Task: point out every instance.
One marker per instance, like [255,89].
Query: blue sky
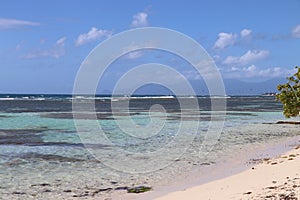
[43,43]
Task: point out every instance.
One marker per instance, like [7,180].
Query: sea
[95,147]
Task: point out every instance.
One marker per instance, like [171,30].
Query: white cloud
[251,68]
[132,52]
[134,55]
[296,31]
[140,20]
[254,72]
[248,57]
[224,40]
[14,23]
[246,33]
[229,39]
[91,36]
[61,41]
[56,51]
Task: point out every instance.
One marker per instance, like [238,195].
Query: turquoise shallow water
[40,143]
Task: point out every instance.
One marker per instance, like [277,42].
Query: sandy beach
[276,178]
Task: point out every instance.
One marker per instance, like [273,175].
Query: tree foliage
[289,95]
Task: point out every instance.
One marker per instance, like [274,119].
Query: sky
[255,44]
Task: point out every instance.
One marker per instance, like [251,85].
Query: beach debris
[103,190]
[288,122]
[248,192]
[121,188]
[139,189]
[258,160]
[81,195]
[205,163]
[272,187]
[41,184]
[270,196]
[21,193]
[287,191]
[100,190]
[291,196]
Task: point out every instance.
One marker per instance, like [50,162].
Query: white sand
[271,179]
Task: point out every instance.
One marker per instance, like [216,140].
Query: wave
[6,98]
[22,99]
[220,97]
[118,98]
[152,97]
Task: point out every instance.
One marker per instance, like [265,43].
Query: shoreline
[276,177]
[194,188]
